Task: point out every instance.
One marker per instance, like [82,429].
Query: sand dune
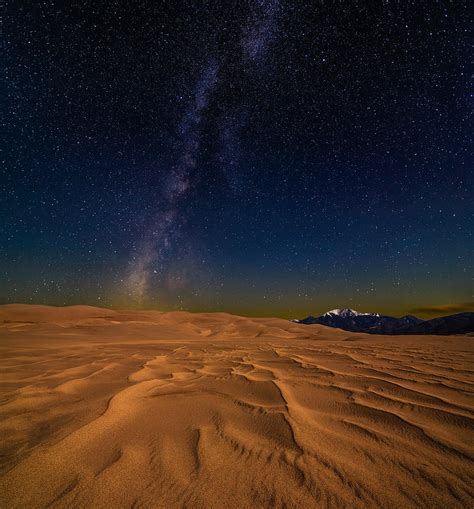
[103,408]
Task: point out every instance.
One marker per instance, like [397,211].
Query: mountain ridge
[375,323]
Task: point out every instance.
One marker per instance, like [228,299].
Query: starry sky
[261,157]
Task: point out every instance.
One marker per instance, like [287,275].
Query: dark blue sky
[259,157]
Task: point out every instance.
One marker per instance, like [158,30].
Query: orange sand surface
[103,408]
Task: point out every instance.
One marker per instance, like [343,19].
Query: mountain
[460,323]
[374,323]
[351,320]
[347,313]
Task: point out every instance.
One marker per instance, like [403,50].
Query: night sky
[259,157]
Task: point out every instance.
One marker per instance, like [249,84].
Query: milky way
[152,253]
[258,34]
[148,262]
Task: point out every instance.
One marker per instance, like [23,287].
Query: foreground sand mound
[104,408]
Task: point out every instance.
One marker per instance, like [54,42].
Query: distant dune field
[105,409]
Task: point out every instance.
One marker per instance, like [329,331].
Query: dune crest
[104,408]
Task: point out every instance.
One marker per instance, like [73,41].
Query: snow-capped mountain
[346,313]
[351,320]
[374,323]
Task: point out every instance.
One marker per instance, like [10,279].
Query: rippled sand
[104,408]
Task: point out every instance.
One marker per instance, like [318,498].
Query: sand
[103,408]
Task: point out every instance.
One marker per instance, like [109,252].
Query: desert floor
[104,408]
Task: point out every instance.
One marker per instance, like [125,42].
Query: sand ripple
[179,410]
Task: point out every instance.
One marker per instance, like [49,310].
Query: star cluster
[257,157]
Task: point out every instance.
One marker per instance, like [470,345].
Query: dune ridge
[113,408]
